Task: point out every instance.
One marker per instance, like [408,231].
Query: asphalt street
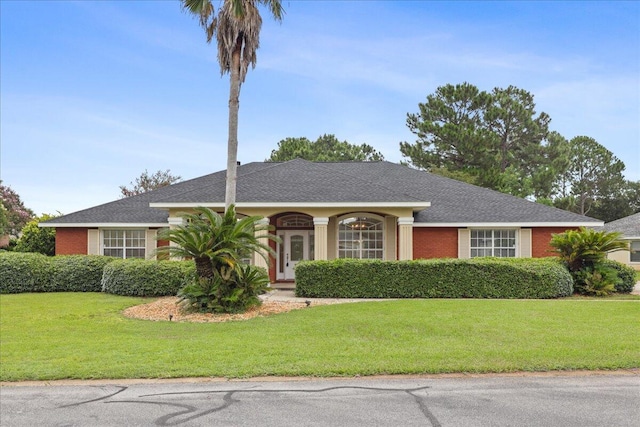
[533,400]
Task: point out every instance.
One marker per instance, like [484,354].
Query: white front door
[295,247]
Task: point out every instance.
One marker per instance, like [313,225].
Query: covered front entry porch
[351,234]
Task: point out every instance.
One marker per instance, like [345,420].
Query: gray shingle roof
[629,226]
[299,181]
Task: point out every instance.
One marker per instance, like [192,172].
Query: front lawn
[83,335]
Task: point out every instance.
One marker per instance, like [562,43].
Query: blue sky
[92,93]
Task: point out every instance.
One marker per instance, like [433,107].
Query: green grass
[83,335]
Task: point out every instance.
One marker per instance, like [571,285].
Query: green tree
[618,204]
[17,214]
[146,182]
[4,221]
[450,131]
[594,174]
[518,136]
[495,137]
[236,27]
[547,177]
[327,148]
[292,148]
[38,239]
[218,244]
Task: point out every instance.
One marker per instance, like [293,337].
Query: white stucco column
[258,259]
[173,223]
[405,238]
[320,237]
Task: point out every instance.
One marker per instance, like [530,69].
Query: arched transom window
[361,237]
[295,221]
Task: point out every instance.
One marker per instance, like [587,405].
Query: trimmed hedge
[626,274]
[436,278]
[78,273]
[137,277]
[24,272]
[33,272]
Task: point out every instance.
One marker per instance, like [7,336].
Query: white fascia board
[507,224]
[416,206]
[105,225]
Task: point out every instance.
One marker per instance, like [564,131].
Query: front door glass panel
[297,248]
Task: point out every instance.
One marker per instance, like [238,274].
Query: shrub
[78,273]
[137,277]
[234,295]
[217,244]
[586,246]
[24,272]
[626,274]
[598,280]
[437,278]
[37,239]
[583,252]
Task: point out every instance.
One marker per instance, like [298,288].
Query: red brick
[540,238]
[435,242]
[71,241]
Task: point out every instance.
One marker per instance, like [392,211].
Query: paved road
[601,400]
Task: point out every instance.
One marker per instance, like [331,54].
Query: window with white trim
[124,243]
[361,237]
[634,248]
[496,243]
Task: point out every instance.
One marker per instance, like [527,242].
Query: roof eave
[104,225]
[415,206]
[510,224]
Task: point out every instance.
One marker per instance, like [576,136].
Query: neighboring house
[324,211]
[630,228]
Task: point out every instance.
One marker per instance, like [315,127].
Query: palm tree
[237,29]
[217,243]
[585,247]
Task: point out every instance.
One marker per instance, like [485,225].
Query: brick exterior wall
[540,238]
[443,242]
[71,241]
[435,242]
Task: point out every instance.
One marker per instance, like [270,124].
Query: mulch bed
[167,309]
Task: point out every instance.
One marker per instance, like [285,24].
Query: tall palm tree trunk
[232,142]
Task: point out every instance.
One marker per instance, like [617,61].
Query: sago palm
[236,27]
[215,242]
[192,240]
[585,247]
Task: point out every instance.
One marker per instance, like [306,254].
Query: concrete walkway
[288,295]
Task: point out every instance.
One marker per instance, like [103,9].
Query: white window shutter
[151,244]
[93,242]
[464,243]
[525,243]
